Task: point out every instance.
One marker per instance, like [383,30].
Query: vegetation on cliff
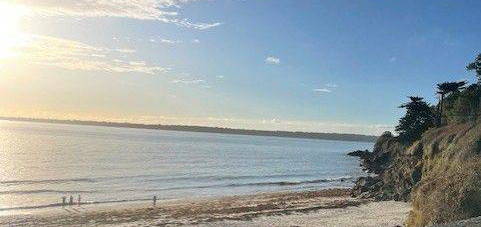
[435,161]
[450,186]
[419,118]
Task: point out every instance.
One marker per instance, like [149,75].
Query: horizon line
[202,128]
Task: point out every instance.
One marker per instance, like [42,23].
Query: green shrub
[463,106]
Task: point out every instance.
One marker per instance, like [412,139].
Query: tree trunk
[441,110]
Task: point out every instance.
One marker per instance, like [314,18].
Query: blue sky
[329,66]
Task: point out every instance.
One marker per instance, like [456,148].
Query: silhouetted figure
[64,200]
[79,200]
[71,200]
[155,200]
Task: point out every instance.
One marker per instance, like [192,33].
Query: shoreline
[309,207]
[46,208]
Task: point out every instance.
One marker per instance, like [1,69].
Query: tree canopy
[475,66]
[451,87]
[457,103]
[419,117]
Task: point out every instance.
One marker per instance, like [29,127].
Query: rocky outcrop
[440,174]
[396,171]
[360,153]
[366,187]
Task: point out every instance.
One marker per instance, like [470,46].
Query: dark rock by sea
[360,153]
[385,162]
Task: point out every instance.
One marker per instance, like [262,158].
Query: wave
[47,181]
[289,183]
[71,180]
[226,177]
[264,183]
[157,178]
[43,191]
[261,183]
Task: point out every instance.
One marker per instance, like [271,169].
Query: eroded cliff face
[450,187]
[440,174]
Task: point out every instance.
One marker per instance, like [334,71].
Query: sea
[40,163]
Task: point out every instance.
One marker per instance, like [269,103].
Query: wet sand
[331,207]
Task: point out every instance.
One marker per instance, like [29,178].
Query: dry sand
[332,207]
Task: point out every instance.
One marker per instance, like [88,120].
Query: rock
[360,153]
[365,184]
[397,171]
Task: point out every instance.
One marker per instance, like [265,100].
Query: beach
[330,207]
[200,179]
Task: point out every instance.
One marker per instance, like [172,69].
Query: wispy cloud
[322,90]
[182,81]
[393,59]
[154,40]
[192,82]
[74,55]
[165,41]
[327,88]
[127,51]
[272,60]
[168,41]
[166,11]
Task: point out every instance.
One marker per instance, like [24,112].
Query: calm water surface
[40,163]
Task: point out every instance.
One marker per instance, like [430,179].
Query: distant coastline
[186,128]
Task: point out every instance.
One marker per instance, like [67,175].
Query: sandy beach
[331,207]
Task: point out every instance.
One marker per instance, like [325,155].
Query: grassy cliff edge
[439,173]
[450,186]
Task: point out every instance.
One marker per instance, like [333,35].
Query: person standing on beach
[64,201]
[78,199]
[71,200]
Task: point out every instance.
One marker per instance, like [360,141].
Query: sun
[10,33]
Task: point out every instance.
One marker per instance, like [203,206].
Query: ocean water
[40,163]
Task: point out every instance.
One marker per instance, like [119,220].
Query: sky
[321,66]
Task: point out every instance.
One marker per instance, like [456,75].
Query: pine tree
[419,118]
[475,66]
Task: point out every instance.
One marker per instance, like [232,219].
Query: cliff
[440,173]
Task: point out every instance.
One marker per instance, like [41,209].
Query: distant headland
[186,128]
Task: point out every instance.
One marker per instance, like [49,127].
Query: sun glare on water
[10,33]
